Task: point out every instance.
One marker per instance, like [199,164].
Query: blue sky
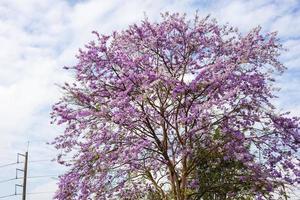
[39,37]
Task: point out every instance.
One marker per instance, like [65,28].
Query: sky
[39,37]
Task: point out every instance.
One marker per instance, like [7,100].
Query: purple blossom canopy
[147,98]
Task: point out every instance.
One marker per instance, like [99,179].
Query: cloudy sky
[39,37]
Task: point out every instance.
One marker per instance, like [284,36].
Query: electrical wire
[9,164]
[29,193]
[44,176]
[30,177]
[2,197]
[7,180]
[33,161]
[46,192]
[15,163]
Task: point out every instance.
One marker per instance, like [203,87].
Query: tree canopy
[177,109]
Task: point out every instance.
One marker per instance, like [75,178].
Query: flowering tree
[176,110]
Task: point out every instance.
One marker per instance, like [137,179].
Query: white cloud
[289,25]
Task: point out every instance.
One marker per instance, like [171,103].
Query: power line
[44,176]
[9,164]
[30,193]
[25,177]
[15,163]
[46,192]
[30,177]
[2,197]
[7,180]
[33,161]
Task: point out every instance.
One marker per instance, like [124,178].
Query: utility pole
[24,186]
[25,176]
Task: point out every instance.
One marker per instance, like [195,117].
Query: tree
[176,110]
